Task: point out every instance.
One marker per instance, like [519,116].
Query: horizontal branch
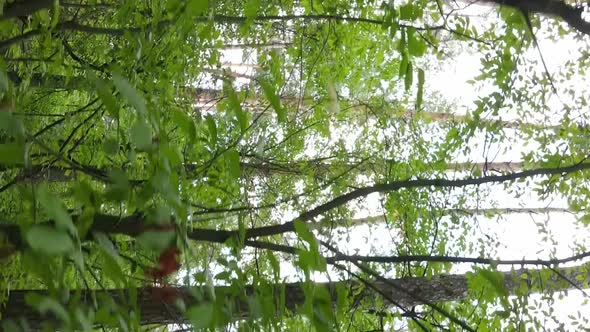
[457,211]
[135,224]
[410,184]
[53,173]
[225,19]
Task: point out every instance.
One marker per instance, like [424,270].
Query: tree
[213,164]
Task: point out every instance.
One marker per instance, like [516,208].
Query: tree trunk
[24,8]
[258,168]
[406,292]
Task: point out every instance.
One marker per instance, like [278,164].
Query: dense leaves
[292,165]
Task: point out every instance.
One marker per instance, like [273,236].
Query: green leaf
[55,209]
[201,316]
[420,93]
[156,240]
[409,76]
[110,146]
[103,90]
[323,315]
[13,126]
[112,269]
[482,278]
[186,124]
[130,93]
[416,44]
[212,130]
[232,158]
[311,260]
[119,185]
[197,7]
[10,326]
[251,8]
[46,304]
[54,14]
[303,232]
[270,94]
[410,12]
[49,240]
[403,66]
[141,135]
[12,154]
[235,105]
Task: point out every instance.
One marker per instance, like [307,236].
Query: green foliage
[45,239]
[228,146]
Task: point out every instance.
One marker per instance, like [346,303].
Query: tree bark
[571,15]
[257,168]
[406,292]
[21,8]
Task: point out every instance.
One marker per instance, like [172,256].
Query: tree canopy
[255,165]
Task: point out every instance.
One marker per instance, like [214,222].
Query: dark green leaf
[12,154]
[232,157]
[156,240]
[403,66]
[420,93]
[410,11]
[409,76]
[235,105]
[212,130]
[141,135]
[186,124]
[270,94]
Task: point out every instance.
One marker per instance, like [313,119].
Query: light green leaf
[251,8]
[303,232]
[232,158]
[197,7]
[130,93]
[49,240]
[13,126]
[416,44]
